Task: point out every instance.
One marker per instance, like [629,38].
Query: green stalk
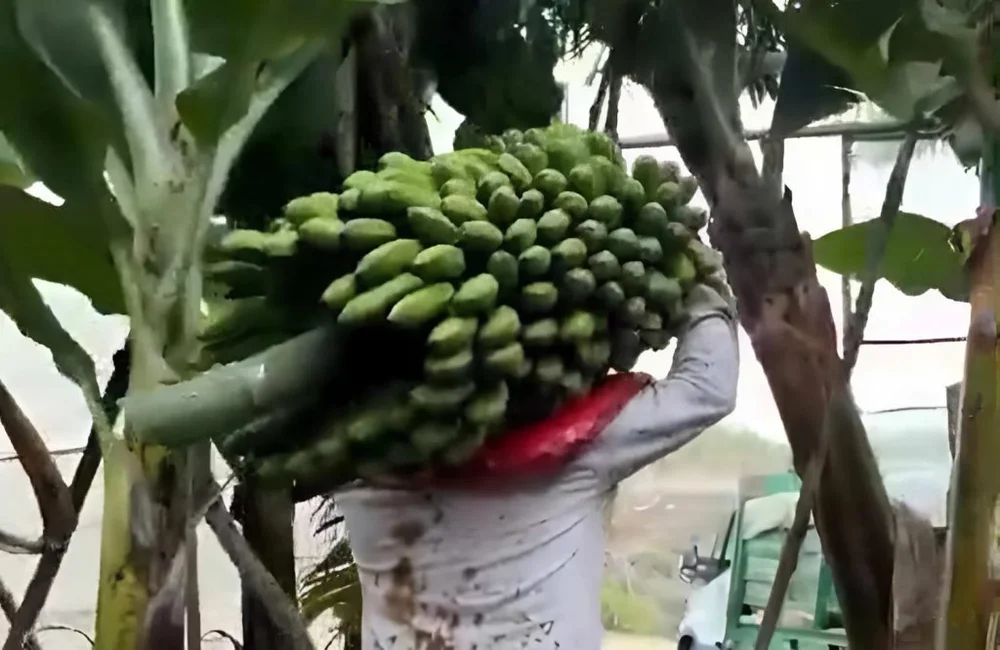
[123,588]
[975,488]
[274,80]
[161,275]
[140,482]
[168,200]
[227,398]
[172,54]
[147,145]
[969,591]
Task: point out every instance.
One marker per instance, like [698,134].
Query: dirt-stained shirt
[521,567]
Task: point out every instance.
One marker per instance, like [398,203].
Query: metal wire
[860,131]
[69,451]
[931,341]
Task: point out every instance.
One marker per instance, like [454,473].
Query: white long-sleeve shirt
[521,566]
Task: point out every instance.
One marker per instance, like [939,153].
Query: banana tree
[135,114]
[930,54]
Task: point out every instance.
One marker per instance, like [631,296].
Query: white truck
[912,448]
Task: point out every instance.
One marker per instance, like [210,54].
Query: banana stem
[229,397]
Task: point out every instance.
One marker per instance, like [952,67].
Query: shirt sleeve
[699,390]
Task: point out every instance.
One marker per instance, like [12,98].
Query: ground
[617,641]
[660,512]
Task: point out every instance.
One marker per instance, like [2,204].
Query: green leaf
[58,244]
[918,257]
[848,33]
[12,169]
[60,36]
[811,89]
[217,101]
[959,37]
[20,299]
[287,154]
[884,47]
[511,85]
[263,29]
[248,34]
[61,137]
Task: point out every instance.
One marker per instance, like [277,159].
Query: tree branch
[8,603]
[846,219]
[694,89]
[278,606]
[51,493]
[782,306]
[17,545]
[598,104]
[773,165]
[789,558]
[199,472]
[614,99]
[876,250]
[267,516]
[346,145]
[852,344]
[48,566]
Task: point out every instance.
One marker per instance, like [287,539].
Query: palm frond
[333,585]
[758,36]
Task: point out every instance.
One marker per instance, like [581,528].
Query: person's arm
[699,390]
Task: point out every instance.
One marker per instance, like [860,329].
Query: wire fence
[68,451]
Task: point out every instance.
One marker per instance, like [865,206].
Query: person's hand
[712,296]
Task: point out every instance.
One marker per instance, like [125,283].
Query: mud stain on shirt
[408,532]
[400,599]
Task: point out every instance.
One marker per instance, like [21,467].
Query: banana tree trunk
[953,397]
[142,530]
[147,488]
[972,573]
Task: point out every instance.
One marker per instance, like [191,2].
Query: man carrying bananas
[520,566]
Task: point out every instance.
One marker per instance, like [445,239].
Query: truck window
[725,546]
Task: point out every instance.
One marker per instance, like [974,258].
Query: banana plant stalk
[971,575]
[229,397]
[167,196]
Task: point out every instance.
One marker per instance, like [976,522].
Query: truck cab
[732,580]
